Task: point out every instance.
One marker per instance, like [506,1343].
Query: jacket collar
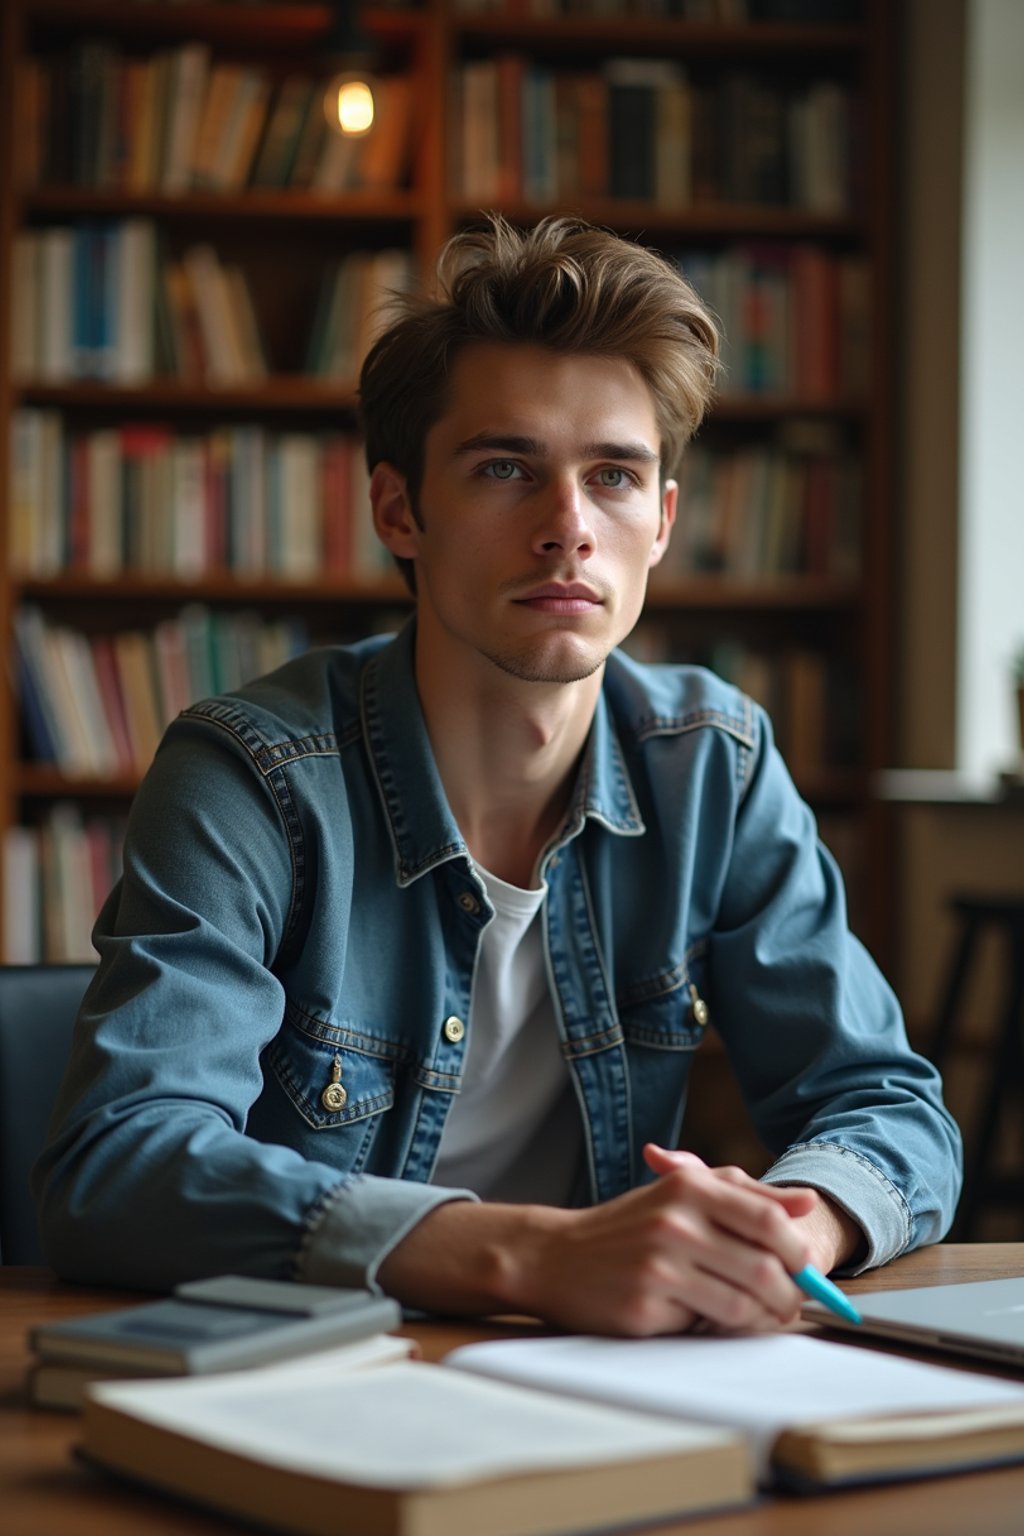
[423,830]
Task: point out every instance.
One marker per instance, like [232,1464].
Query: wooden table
[44,1492]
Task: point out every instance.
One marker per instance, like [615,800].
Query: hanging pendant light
[349,97]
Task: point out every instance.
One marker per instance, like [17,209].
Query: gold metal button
[454,1029]
[335,1095]
[468,902]
[698,1007]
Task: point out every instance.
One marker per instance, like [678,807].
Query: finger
[780,1192]
[747,1211]
[796,1200]
[732,1307]
[661,1160]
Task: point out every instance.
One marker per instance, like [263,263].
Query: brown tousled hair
[563,284]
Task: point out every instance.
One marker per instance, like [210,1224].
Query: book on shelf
[649,110]
[224,1323]
[815,1414]
[794,318]
[56,875]
[190,66]
[352,308]
[108,301]
[278,151]
[181,121]
[21,897]
[97,706]
[787,508]
[148,500]
[523,129]
[425,1451]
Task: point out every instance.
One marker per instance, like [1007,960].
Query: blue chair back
[38,1006]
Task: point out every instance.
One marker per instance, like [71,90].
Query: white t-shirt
[513,1132]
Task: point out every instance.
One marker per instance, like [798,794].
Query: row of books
[56,876]
[150,500]
[96,705]
[767,510]
[809,695]
[181,120]
[107,301]
[642,129]
[794,319]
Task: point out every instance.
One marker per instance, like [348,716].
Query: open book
[314,1447]
[814,1413]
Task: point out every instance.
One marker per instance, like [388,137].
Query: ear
[669,500]
[393,517]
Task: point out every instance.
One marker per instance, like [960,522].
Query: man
[416,939]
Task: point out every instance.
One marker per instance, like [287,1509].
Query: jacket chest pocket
[331,1085]
[672,1017]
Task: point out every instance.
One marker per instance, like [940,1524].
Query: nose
[564,524]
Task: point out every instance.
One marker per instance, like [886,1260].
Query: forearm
[476,1259]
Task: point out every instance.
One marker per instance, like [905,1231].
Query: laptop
[983,1318]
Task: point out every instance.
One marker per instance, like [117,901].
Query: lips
[561,592]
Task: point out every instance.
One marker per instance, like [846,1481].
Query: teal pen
[813,1283]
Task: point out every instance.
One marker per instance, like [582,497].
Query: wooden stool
[1004,1079]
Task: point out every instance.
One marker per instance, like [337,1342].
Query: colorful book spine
[96,706]
[180,121]
[144,500]
[56,875]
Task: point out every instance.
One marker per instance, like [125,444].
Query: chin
[548,664]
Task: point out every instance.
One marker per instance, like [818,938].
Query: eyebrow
[503,442]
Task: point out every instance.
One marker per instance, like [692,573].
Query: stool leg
[955,979]
[1005,1080]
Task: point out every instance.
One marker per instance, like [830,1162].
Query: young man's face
[540,512]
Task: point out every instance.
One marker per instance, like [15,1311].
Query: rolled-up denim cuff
[357,1224]
[860,1188]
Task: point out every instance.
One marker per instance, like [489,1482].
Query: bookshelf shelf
[38,781]
[302,394]
[677,38]
[793,594]
[713,221]
[805,635]
[258,26]
[709,593]
[356,207]
[282,395]
[226,588]
[768,408]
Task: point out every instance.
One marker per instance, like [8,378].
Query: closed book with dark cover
[221,1324]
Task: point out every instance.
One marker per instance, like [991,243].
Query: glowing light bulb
[349,105]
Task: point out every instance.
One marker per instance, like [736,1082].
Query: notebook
[983,1318]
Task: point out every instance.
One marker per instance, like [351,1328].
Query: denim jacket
[297,898]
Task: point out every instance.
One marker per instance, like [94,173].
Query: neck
[507,752]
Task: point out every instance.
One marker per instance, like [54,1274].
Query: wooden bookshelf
[284,238]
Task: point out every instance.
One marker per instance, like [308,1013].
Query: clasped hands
[698,1245]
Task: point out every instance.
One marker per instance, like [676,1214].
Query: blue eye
[502,469]
[613,478]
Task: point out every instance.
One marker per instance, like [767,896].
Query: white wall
[991,577]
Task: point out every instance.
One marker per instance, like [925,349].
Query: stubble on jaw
[532,669]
